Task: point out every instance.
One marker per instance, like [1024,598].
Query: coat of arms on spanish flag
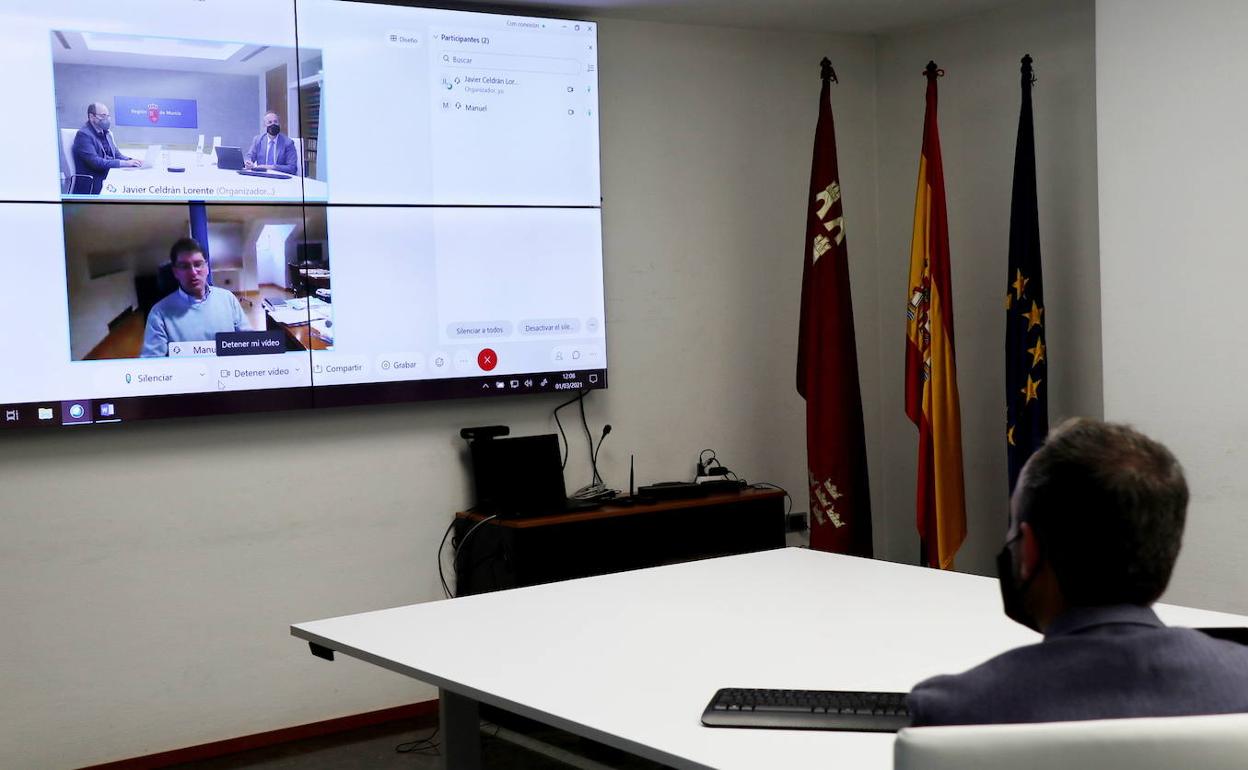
[931,374]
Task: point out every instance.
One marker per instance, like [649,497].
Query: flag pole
[827,357]
[931,72]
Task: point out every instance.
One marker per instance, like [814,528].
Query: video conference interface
[210,207]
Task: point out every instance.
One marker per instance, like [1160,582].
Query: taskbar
[105,411]
[398,391]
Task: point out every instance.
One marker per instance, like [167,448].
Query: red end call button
[487,359]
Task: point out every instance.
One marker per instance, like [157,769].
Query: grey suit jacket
[1094,663]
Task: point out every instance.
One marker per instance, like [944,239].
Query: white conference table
[632,659]
[202,179]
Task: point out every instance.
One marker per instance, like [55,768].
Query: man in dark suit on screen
[95,153]
[272,150]
[1096,522]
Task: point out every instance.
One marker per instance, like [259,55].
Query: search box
[511,62]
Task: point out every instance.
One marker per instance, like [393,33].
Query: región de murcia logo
[823,496]
[824,201]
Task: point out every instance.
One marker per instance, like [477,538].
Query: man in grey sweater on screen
[195,311]
[1095,527]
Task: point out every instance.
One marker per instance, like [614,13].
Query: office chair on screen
[73,181]
[1216,742]
[298,155]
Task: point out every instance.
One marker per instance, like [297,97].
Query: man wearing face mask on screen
[1096,522]
[95,152]
[272,150]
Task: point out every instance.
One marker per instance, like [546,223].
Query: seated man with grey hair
[1095,526]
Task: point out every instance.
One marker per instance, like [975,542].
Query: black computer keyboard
[265,174]
[878,712]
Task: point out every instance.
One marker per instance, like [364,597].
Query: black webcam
[484,432]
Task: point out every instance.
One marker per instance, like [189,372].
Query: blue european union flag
[1026,361]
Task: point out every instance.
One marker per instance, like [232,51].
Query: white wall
[979,104]
[148,573]
[1170,124]
[708,143]
[96,302]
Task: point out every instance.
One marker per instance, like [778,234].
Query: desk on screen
[201,180]
[305,322]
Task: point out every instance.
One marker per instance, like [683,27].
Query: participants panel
[456,108]
[478,296]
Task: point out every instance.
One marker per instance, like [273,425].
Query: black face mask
[274,130]
[1012,593]
[104,124]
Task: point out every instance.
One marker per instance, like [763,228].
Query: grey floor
[521,745]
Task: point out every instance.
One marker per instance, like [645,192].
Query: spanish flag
[931,375]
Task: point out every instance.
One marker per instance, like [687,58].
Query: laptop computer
[229,158]
[264,174]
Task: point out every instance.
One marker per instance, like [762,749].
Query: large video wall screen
[334,203]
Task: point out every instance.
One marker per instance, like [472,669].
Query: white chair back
[67,150]
[298,155]
[1218,742]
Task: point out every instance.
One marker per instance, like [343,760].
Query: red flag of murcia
[827,359]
